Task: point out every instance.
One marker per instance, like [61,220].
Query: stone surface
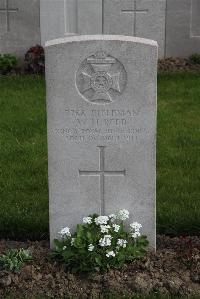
[195,19]
[143,18]
[182,28]
[175,24]
[67,16]
[107,16]
[19,25]
[101,104]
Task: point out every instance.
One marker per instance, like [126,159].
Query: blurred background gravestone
[174,24]
[182,28]
[19,25]
[58,18]
[142,18]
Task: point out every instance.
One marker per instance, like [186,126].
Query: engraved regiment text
[102,125]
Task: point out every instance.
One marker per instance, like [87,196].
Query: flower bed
[173,269]
[172,65]
[100,243]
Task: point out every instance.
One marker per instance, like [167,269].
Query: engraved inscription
[103,125]
[132,9]
[7,10]
[101,173]
[101,78]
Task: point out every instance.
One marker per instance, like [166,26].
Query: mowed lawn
[178,154]
[23,156]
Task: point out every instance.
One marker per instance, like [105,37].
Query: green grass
[178,154]
[23,156]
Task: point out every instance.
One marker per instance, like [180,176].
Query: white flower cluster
[105,241]
[122,243]
[135,228]
[116,227]
[100,220]
[104,228]
[65,232]
[87,220]
[91,247]
[123,215]
[110,254]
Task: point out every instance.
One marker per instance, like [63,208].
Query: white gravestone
[142,18]
[101,105]
[182,28]
[19,25]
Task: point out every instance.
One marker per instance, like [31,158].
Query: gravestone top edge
[80,38]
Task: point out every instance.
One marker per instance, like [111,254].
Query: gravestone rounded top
[79,38]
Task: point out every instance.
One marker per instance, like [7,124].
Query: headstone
[65,16]
[19,25]
[101,105]
[195,19]
[142,18]
[182,28]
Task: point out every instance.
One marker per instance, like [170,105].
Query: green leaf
[98,261]
[67,254]
[89,237]
[78,259]
[14,259]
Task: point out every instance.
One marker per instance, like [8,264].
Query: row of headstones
[174,24]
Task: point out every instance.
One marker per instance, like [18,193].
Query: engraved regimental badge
[101,78]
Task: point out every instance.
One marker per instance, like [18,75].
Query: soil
[171,65]
[173,270]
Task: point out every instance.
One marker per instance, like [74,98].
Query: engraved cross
[102,173]
[8,10]
[134,11]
